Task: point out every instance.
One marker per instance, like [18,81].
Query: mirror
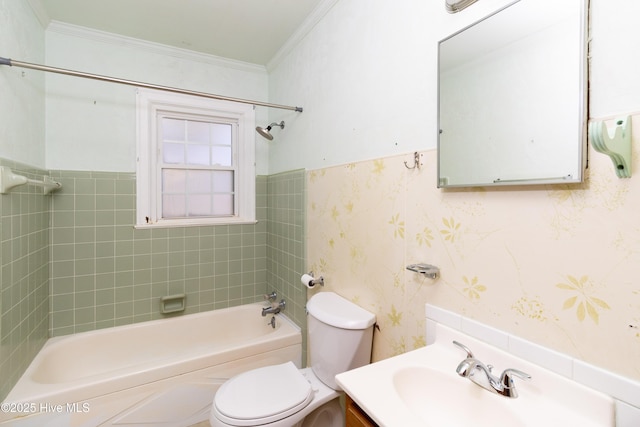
[512,97]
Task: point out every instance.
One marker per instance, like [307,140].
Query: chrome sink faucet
[502,385]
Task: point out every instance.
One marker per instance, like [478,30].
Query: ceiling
[245,30]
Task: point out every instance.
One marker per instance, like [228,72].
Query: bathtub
[158,373]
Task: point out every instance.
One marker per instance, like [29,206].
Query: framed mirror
[512,93]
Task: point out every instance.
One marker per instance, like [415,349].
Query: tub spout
[274,308]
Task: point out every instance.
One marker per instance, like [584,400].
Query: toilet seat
[262,395]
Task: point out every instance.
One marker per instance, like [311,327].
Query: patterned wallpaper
[554,264]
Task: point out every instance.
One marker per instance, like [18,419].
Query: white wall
[366,76]
[615,85]
[22,132]
[91,124]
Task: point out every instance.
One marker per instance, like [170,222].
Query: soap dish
[428,270]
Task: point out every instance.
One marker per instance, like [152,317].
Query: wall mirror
[512,97]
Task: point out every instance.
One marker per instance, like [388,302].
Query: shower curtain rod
[14,63]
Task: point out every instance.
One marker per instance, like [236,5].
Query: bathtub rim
[27,390]
[169,318]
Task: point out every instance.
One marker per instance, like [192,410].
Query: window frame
[153,104]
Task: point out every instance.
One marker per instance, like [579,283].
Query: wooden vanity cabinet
[355,416]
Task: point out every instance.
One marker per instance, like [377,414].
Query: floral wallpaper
[554,264]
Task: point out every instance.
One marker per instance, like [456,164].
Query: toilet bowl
[285,396]
[276,396]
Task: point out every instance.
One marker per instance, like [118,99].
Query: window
[196,161]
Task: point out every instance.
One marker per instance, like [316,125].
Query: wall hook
[416,161]
[616,145]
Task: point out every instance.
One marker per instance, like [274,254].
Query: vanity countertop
[422,388]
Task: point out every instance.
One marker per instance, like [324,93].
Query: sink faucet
[502,385]
[273,309]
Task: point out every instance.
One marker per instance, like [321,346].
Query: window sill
[195,223]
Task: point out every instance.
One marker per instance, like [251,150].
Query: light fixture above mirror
[454,6]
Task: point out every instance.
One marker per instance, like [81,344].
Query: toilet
[340,339]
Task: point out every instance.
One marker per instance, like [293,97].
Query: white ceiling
[245,30]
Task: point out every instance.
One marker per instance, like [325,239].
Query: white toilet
[340,338]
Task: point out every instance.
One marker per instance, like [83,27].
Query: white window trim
[148,104]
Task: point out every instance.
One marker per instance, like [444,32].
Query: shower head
[266,132]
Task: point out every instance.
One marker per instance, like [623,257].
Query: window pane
[223,181]
[199,182]
[177,139]
[223,204]
[200,205]
[173,206]
[198,155]
[173,153]
[173,181]
[222,156]
[172,129]
[198,131]
[221,134]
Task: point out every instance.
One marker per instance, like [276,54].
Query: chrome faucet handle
[464,348]
[271,297]
[506,380]
[507,376]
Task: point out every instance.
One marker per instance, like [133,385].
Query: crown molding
[316,16]
[40,12]
[151,47]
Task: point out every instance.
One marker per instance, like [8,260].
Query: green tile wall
[24,286]
[286,250]
[72,261]
[106,273]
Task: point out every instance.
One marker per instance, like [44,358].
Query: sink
[421,388]
[442,399]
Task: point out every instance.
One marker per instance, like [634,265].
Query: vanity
[355,416]
[426,387]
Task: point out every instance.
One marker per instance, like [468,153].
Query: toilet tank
[340,336]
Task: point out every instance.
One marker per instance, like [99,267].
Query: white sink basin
[442,399]
[422,388]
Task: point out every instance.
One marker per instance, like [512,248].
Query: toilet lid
[263,395]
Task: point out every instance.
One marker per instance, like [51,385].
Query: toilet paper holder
[310,281]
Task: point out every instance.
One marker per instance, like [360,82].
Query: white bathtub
[157,373]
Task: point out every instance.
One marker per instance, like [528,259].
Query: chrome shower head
[266,132]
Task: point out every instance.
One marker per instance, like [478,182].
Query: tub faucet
[274,308]
[502,385]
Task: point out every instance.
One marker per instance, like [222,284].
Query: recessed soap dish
[172,303]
